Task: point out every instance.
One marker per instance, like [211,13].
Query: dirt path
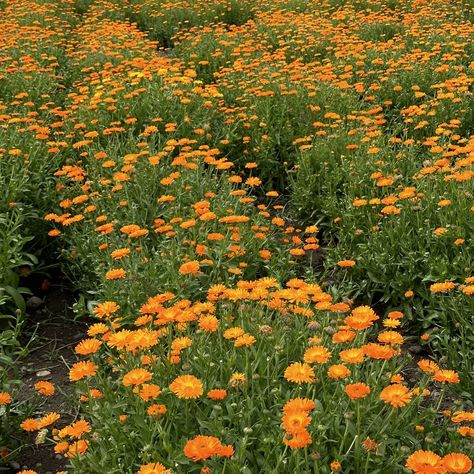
[55,333]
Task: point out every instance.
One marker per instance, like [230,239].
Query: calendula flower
[357,390]
[299,373]
[187,386]
[424,462]
[153,468]
[106,309]
[201,448]
[116,274]
[338,371]
[299,404]
[346,263]
[396,395]
[136,377]
[361,318]
[81,370]
[45,388]
[294,421]
[299,440]
[217,394]
[446,376]
[5,398]
[317,354]
[457,463]
[88,346]
[442,287]
[189,268]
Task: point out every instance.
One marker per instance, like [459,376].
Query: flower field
[265,209]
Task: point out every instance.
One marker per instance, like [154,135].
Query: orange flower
[136,377]
[361,318]
[343,336]
[76,429]
[338,371]
[295,421]
[81,370]
[245,340]
[424,462]
[442,287]
[48,419]
[299,373]
[396,395]
[299,404]
[428,366]
[457,462]
[204,447]
[153,468]
[298,440]
[45,388]
[88,346]
[446,376]
[378,351]
[155,409]
[390,337]
[317,354]
[5,398]
[233,333]
[30,425]
[346,263]
[352,356]
[217,394]
[148,391]
[191,267]
[209,323]
[115,274]
[106,309]
[357,390]
[187,386]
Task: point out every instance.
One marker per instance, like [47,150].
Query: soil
[55,333]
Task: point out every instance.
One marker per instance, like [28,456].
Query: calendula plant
[189,160]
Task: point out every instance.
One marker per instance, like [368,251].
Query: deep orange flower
[446,376]
[298,440]
[295,421]
[187,386]
[45,388]
[396,395]
[217,394]
[346,263]
[191,267]
[425,462]
[136,377]
[5,398]
[115,274]
[352,356]
[81,370]
[357,390]
[299,404]
[203,447]
[361,318]
[88,346]
[457,463]
[153,468]
[106,309]
[317,354]
[338,371]
[299,373]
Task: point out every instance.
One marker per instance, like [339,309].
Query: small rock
[33,303]
[416,349]
[43,373]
